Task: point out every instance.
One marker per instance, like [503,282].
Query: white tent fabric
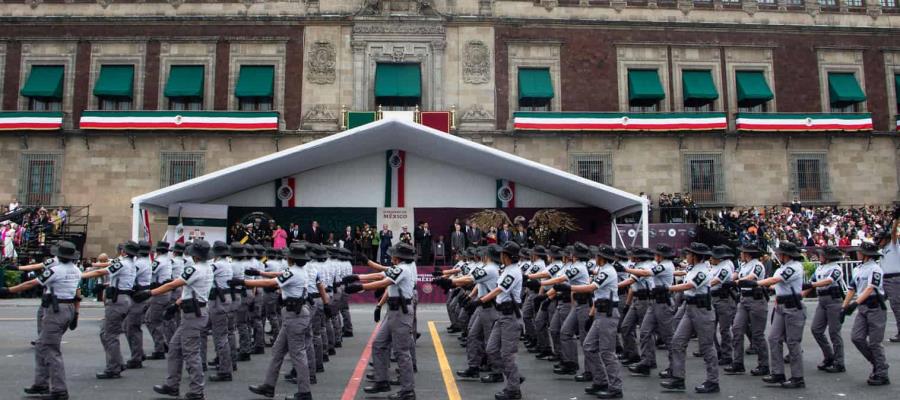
[384,135]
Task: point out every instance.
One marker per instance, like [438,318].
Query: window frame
[824,185]
[716,194]
[171,161]
[605,160]
[52,162]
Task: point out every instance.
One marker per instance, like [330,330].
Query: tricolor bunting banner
[285,192]
[599,121]
[506,193]
[394,180]
[30,121]
[180,120]
[773,122]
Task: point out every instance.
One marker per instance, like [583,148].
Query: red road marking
[356,379]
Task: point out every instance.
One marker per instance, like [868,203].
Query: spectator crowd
[20,225]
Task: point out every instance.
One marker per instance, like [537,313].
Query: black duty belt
[188,306]
[642,294]
[488,304]
[605,306]
[721,293]
[834,292]
[700,301]
[126,292]
[141,287]
[396,303]
[582,298]
[508,308]
[788,301]
[269,290]
[65,301]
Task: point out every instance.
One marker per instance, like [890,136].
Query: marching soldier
[639,282]
[722,291]
[600,342]
[244,299]
[257,324]
[657,320]
[161,274]
[504,338]
[452,292]
[178,263]
[271,311]
[579,308]
[117,302]
[890,265]
[698,319]
[752,312]
[395,333]
[185,346]
[346,320]
[135,319]
[869,324]
[535,264]
[542,304]
[828,283]
[219,308]
[292,337]
[622,261]
[561,307]
[60,284]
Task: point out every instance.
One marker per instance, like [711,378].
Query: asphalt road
[84,356]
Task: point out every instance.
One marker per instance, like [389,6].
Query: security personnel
[117,302]
[535,264]
[60,285]
[452,303]
[869,324]
[698,319]
[579,308]
[723,294]
[255,312]
[133,330]
[828,284]
[346,320]
[561,306]
[219,308]
[316,269]
[600,342]
[890,265]
[38,268]
[160,274]
[292,337]
[657,322]
[788,317]
[639,282]
[504,338]
[622,261]
[541,303]
[752,311]
[178,263]
[271,310]
[326,258]
[185,346]
[242,302]
[395,332]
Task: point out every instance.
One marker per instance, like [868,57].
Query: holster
[112,293]
[700,301]
[398,303]
[217,293]
[605,306]
[788,301]
[580,298]
[508,308]
[642,294]
[834,292]
[294,304]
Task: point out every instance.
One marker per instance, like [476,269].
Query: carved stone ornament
[33,3]
[813,9]
[248,3]
[175,3]
[618,5]
[399,28]
[750,7]
[319,113]
[321,63]
[549,5]
[685,6]
[874,10]
[104,3]
[477,113]
[398,54]
[477,64]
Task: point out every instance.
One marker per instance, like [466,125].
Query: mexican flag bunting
[506,193]
[394,179]
[285,192]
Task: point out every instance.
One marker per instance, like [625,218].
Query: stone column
[437,97]
[359,75]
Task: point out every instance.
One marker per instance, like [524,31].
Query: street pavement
[438,353]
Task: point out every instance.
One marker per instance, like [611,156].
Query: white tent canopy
[388,134]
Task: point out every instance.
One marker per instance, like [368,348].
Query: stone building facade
[324,55]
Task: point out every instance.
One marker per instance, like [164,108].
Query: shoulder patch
[479,273]
[393,273]
[600,278]
[658,268]
[48,262]
[535,269]
[554,269]
[723,275]
[188,273]
[507,282]
[758,270]
[787,272]
[876,278]
[285,276]
[44,276]
[699,278]
[154,265]
[115,266]
[836,274]
[571,272]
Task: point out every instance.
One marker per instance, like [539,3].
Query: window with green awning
[398,86]
[752,88]
[698,86]
[45,82]
[897,91]
[535,84]
[115,81]
[185,81]
[255,81]
[644,86]
[844,89]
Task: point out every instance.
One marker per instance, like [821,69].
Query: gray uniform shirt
[890,258]
[199,279]
[121,273]
[663,274]
[222,272]
[143,274]
[510,284]
[831,270]
[722,272]
[554,269]
[62,279]
[752,267]
[312,277]
[537,266]
[791,274]
[867,274]
[486,278]
[577,273]
[607,283]
[161,269]
[177,266]
[237,269]
[699,278]
[641,282]
[293,282]
[403,277]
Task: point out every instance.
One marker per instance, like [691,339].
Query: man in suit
[426,244]
[314,235]
[294,233]
[520,236]
[504,235]
[386,236]
[473,234]
[457,240]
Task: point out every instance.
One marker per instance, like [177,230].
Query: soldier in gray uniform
[788,317]
[869,324]
[722,291]
[219,308]
[346,320]
[395,332]
[889,242]
[160,274]
[619,265]
[541,303]
[752,311]
[320,313]
[698,319]
[576,318]
[533,263]
[257,325]
[657,322]
[561,305]
[60,285]
[271,311]
[236,251]
[600,339]
[240,305]
[178,263]
[292,337]
[184,350]
[117,302]
[134,332]
[504,338]
[639,283]
[828,283]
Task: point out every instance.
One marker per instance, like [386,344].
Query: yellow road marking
[449,381]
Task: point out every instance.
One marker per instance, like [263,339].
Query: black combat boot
[707,387]
[469,373]
[774,379]
[378,387]
[794,383]
[263,390]
[594,389]
[673,384]
[166,390]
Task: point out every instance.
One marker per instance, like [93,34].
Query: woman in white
[9,249]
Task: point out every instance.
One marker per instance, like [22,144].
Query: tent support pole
[645,224]
[614,231]
[135,221]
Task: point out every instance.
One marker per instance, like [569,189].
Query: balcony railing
[444,121]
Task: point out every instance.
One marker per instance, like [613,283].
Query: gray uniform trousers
[528,314]
[40,319]
[49,368]
[755,312]
[271,312]
[572,333]
[558,316]
[291,339]
[114,315]
[257,324]
[346,322]
[725,309]
[629,325]
[184,350]
[452,307]
[700,321]
[242,320]
[657,320]
[892,294]
[337,324]
[327,324]
[787,327]
[318,332]
[156,324]
[233,339]
[133,331]
[394,334]
[600,350]
[867,334]
[828,316]
[172,325]
[503,345]
[542,326]
[482,321]
[218,324]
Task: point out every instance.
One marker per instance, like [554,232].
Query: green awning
[535,84]
[398,80]
[843,88]
[45,81]
[185,81]
[897,87]
[644,85]
[256,81]
[115,81]
[698,85]
[752,87]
